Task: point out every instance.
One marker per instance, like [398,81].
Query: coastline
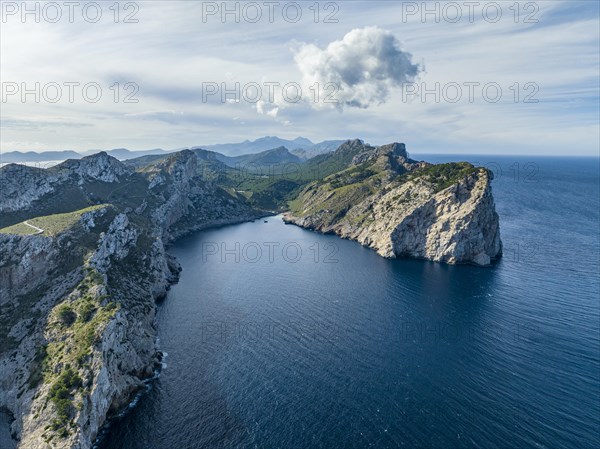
[136,395]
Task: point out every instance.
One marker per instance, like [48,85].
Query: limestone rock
[115,243]
[458,224]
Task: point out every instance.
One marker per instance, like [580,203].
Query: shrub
[86,311]
[444,175]
[60,393]
[111,306]
[38,366]
[66,314]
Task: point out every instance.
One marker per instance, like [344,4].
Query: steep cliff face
[188,203]
[44,271]
[108,344]
[405,208]
[77,335]
[22,187]
[24,261]
[457,225]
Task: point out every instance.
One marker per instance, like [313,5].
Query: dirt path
[38,230]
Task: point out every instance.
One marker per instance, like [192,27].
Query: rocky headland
[404,208]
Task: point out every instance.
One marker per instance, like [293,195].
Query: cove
[369,352]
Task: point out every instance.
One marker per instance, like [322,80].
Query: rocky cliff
[405,208]
[77,332]
[23,187]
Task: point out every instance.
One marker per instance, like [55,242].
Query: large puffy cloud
[359,71]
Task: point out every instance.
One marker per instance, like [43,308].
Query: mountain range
[301,147]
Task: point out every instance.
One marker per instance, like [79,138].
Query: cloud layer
[170,64]
[359,70]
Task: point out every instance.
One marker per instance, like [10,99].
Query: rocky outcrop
[22,186]
[187,203]
[120,360]
[457,225]
[24,309]
[24,261]
[115,244]
[98,167]
[401,209]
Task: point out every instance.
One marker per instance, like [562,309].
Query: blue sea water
[310,341]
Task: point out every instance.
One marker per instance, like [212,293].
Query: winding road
[38,230]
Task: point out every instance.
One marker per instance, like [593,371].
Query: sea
[279,337]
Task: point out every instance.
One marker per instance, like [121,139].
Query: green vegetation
[268,191]
[353,175]
[335,195]
[75,326]
[87,319]
[443,176]
[272,186]
[329,183]
[51,224]
[321,166]
[66,314]
[86,311]
[24,307]
[331,203]
[19,229]
[271,195]
[61,395]
[37,367]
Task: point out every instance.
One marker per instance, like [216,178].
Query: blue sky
[373,54]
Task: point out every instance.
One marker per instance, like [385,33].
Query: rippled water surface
[337,347]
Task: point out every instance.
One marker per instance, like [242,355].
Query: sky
[442,77]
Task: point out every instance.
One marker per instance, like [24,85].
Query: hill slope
[403,208]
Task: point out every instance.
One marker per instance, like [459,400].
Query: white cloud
[264,108]
[359,70]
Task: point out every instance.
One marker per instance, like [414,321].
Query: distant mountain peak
[280,149]
[99,155]
[300,146]
[100,166]
[397,149]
